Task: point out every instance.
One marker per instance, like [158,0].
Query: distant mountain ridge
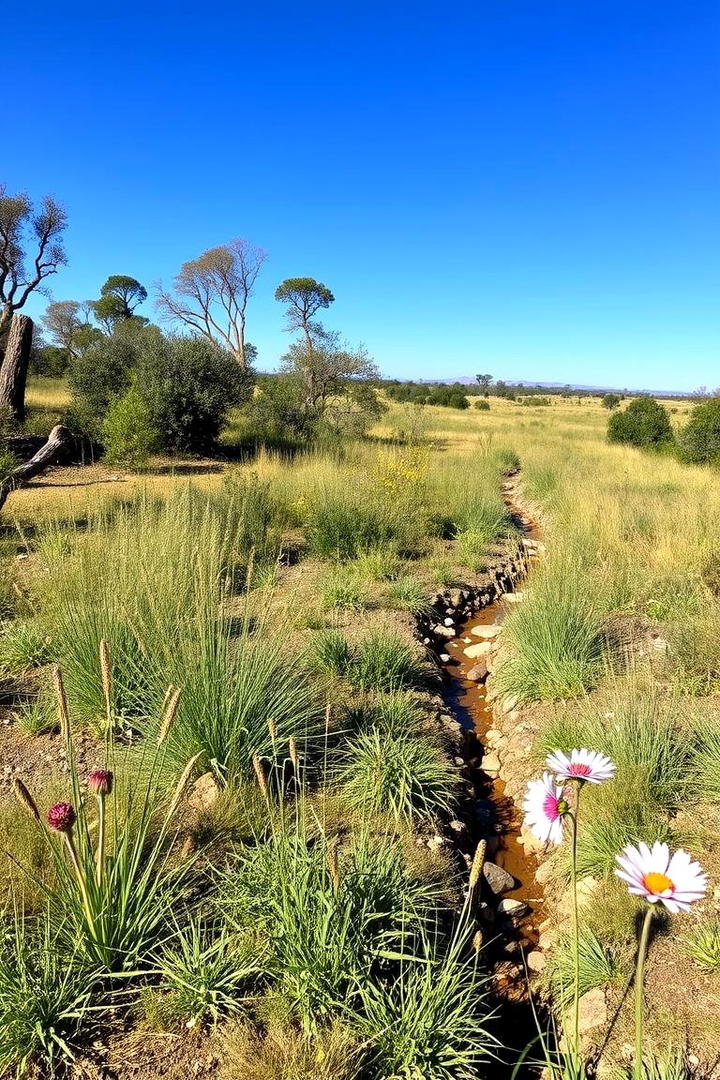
[468,380]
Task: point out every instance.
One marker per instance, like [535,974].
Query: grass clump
[23,646]
[410,594]
[702,945]
[599,965]
[45,998]
[403,774]
[282,1052]
[384,661]
[556,641]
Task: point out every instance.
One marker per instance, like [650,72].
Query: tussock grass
[400,773]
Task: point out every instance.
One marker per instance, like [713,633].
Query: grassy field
[289,912]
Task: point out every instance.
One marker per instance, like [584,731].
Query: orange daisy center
[657,883]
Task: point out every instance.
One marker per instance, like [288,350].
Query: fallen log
[58,441]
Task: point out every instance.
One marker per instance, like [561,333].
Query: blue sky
[528,189]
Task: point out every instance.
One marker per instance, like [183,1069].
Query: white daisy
[545,808]
[582,764]
[677,881]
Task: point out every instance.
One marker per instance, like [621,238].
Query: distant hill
[468,380]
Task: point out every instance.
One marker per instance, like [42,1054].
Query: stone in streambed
[489,631]
[474,652]
[514,908]
[498,880]
[477,672]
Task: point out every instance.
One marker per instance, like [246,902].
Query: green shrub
[610,401]
[482,404]
[128,433]
[189,385]
[645,422]
[103,372]
[330,653]
[8,463]
[699,440]
[345,526]
[404,775]
[343,590]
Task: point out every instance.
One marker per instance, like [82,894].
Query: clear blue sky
[528,189]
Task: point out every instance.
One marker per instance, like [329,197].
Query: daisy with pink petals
[583,765]
[675,881]
[545,808]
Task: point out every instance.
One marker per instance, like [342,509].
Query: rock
[509,703]
[543,872]
[491,763]
[498,880]
[204,793]
[443,631]
[593,1010]
[449,622]
[514,908]
[444,658]
[486,632]
[477,672]
[535,961]
[474,652]
[516,597]
[457,826]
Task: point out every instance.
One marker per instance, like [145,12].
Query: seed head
[24,796]
[260,774]
[477,863]
[61,817]
[100,782]
[294,754]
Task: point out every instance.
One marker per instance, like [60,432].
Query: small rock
[486,632]
[445,658]
[514,908]
[543,873]
[593,1010]
[477,672]
[498,880]
[509,703]
[515,597]
[491,763]
[536,961]
[204,793]
[443,631]
[449,622]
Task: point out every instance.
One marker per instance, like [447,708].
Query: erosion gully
[507,941]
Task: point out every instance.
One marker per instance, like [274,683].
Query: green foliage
[384,661]
[557,642]
[645,422]
[610,401]
[8,463]
[702,945]
[409,593]
[347,523]
[482,404]
[403,774]
[343,590]
[279,1051]
[330,653]
[45,996]
[599,965]
[324,919]
[103,372]
[128,433]
[204,974]
[699,440]
[23,646]
[432,1021]
[389,714]
[189,385]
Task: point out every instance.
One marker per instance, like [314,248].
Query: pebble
[512,907]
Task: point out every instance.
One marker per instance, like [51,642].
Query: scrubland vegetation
[236,651]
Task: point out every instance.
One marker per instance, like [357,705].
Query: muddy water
[509,941]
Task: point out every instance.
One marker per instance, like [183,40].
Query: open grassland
[286,900]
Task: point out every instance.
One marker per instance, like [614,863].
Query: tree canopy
[304,296]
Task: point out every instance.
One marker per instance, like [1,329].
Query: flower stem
[100,863]
[576,925]
[639,993]
[82,884]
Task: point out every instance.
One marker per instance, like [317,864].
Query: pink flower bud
[100,782]
[61,817]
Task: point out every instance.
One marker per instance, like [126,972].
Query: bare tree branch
[220,280]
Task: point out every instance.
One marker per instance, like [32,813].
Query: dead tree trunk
[58,441]
[13,371]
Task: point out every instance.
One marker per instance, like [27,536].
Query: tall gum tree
[31,249]
[210,295]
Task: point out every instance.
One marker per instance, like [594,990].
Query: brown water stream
[506,941]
